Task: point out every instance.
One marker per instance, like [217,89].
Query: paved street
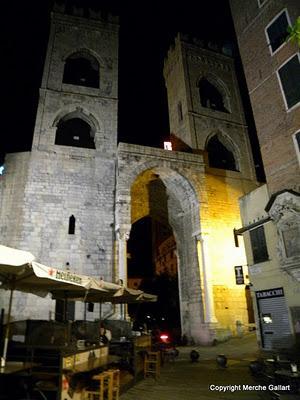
[184,380]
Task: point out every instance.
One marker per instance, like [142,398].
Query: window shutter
[258,244]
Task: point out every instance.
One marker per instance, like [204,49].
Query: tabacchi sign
[263,294]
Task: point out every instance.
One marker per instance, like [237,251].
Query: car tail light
[164,337]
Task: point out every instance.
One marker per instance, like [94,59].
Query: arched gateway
[183,177]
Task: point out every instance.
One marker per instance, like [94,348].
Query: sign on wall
[275,292]
[167,146]
[239,275]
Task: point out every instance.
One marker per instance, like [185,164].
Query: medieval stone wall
[12,194]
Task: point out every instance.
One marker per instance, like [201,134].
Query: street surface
[183,380]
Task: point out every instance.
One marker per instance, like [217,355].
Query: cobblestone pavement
[183,380]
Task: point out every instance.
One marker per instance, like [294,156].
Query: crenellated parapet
[84,11]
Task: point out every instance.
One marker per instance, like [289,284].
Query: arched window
[72,222]
[219,156]
[81,69]
[74,132]
[210,96]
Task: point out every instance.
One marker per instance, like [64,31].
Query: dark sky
[146,30]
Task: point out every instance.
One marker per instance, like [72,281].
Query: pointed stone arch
[218,83]
[82,68]
[74,111]
[85,51]
[77,119]
[230,145]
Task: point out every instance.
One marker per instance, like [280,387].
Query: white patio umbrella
[114,293]
[19,271]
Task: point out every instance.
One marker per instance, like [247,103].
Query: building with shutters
[271,213]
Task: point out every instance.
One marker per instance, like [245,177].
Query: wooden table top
[12,367]
[285,372]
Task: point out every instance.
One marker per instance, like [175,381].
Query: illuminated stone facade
[76,204]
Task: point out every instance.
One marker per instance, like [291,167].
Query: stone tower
[205,107]
[73,198]
[63,190]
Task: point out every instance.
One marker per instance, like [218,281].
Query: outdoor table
[289,378]
[287,373]
[12,367]
[12,377]
[61,369]
[78,366]
[272,360]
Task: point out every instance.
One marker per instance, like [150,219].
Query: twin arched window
[219,156]
[74,132]
[211,97]
[81,69]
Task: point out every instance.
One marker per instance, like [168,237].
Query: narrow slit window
[180,114]
[72,222]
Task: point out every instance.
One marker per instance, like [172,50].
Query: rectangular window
[289,76]
[296,139]
[291,241]
[258,244]
[261,3]
[276,31]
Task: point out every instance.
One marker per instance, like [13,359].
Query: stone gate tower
[205,107]
[63,190]
[207,118]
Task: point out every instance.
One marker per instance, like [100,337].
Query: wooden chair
[104,386]
[97,389]
[152,364]
[113,384]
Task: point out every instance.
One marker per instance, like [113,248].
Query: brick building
[270,214]
[166,259]
[73,199]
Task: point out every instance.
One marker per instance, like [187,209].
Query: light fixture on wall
[2,169]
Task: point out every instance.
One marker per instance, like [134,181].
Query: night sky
[146,30]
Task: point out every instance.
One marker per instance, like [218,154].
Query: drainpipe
[122,245]
[122,236]
[203,255]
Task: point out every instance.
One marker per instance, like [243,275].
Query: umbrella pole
[84,312]
[3,358]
